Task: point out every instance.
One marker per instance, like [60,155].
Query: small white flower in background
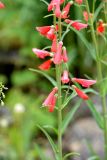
[4,123]
[19,108]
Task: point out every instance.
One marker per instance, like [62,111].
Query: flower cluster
[58,53]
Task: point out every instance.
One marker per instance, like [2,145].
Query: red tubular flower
[52,105]
[51,33]
[53,4]
[41,53]
[77,25]
[62,1]
[48,31]
[79,1]
[66,9]
[57,10]
[46,65]
[65,78]
[100,27]
[50,101]
[84,82]
[2,5]
[43,30]
[85,14]
[54,45]
[58,56]
[80,93]
[64,56]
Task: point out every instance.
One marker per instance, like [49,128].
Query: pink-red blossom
[41,53]
[64,55]
[53,3]
[48,31]
[79,1]
[100,27]
[66,10]
[45,65]
[65,77]
[50,101]
[77,25]
[54,45]
[80,93]
[2,5]
[84,82]
[58,55]
[43,30]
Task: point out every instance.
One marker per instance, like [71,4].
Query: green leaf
[71,154]
[44,2]
[70,115]
[50,140]
[51,127]
[96,114]
[97,11]
[45,75]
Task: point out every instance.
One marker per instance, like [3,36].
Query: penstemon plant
[57,55]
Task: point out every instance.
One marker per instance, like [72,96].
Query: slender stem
[105,10]
[100,79]
[58,79]
[59,68]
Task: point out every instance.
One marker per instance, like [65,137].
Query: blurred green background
[19,135]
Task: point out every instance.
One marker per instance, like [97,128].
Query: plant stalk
[58,79]
[100,79]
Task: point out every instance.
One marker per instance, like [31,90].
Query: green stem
[58,76]
[100,79]
[58,79]
[105,11]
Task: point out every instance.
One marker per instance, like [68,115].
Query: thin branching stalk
[100,78]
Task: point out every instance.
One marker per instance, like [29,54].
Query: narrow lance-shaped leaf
[96,114]
[73,154]
[45,75]
[70,115]
[50,141]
